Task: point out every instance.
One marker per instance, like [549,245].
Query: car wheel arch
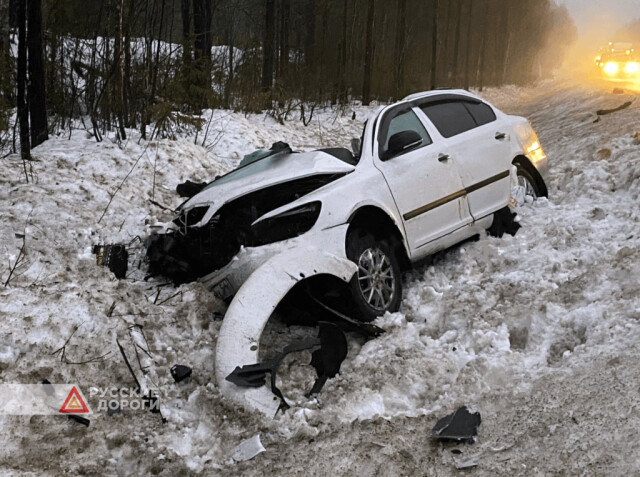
[524,163]
[379,223]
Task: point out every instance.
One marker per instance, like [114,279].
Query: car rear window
[455,117]
[450,118]
[481,112]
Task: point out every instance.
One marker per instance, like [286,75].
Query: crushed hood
[270,171]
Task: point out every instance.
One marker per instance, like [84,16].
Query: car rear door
[425,181]
[480,144]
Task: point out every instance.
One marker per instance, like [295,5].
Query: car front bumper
[226,281]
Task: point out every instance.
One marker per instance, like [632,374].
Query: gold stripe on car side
[486,182]
[426,208]
[456,195]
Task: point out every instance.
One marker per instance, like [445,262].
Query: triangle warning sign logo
[74,404]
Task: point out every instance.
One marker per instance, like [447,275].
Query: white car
[431,170]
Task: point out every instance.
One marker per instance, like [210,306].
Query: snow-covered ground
[539,331]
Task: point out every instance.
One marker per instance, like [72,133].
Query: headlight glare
[632,67]
[611,68]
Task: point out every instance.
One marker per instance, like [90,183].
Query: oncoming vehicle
[428,172]
[619,62]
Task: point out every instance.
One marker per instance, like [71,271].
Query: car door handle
[444,157]
[500,136]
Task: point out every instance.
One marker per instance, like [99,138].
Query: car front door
[424,179]
[480,145]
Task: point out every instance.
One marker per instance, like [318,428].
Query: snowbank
[531,329]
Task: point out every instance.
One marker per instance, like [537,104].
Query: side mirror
[356,147]
[402,142]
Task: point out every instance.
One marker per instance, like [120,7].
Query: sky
[601,17]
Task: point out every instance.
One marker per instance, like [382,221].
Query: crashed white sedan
[428,172]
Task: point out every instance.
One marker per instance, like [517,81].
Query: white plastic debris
[249,312]
[248,449]
[466,463]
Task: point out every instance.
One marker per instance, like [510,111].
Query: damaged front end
[196,249]
[239,236]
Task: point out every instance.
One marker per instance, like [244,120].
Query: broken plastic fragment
[331,351]
[115,257]
[79,419]
[180,372]
[189,189]
[248,449]
[461,426]
[327,360]
[466,463]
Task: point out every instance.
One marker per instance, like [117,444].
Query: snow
[538,332]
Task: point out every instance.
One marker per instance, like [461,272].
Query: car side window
[404,121]
[450,118]
[481,112]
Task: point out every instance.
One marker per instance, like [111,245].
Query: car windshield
[256,167]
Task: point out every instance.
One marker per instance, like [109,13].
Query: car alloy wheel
[525,187]
[376,279]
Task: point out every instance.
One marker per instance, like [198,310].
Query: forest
[154,65]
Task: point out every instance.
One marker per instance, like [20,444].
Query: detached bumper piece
[330,350]
[115,257]
[461,426]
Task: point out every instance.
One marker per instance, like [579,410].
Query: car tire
[376,287]
[527,185]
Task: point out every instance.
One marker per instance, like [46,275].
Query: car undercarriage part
[189,253]
[250,310]
[330,350]
[115,257]
[461,426]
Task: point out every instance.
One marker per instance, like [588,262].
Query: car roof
[440,93]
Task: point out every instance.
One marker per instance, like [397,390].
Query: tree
[456,44]
[202,14]
[119,74]
[342,65]
[36,84]
[285,28]
[368,55]
[23,111]
[185,10]
[5,77]
[268,45]
[434,45]
[399,49]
